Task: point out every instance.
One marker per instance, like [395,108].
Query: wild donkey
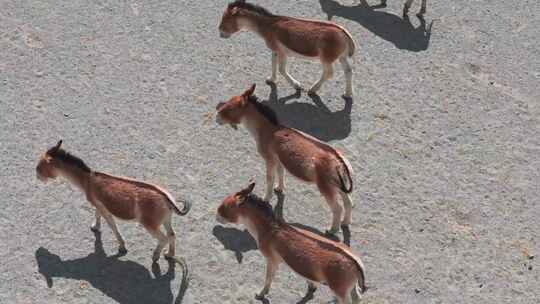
[406,7]
[114,196]
[287,36]
[302,155]
[315,258]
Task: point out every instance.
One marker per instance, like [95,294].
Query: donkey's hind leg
[171,236]
[328,72]
[347,69]
[161,238]
[347,204]
[329,193]
[282,60]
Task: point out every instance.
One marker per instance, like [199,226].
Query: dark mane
[251,7]
[265,110]
[258,203]
[62,155]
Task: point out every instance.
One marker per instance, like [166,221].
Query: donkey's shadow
[314,119]
[124,281]
[235,240]
[390,27]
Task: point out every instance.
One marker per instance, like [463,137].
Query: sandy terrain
[443,135]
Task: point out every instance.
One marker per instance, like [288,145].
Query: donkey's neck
[256,23]
[257,224]
[257,124]
[76,176]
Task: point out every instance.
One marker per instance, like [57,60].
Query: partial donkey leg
[96,225]
[273,78]
[270,168]
[423,9]
[406,7]
[271,267]
[161,238]
[330,194]
[347,204]
[109,218]
[328,72]
[171,236]
[281,177]
[347,69]
[282,60]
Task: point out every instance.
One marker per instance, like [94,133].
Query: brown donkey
[302,155]
[315,258]
[114,196]
[287,36]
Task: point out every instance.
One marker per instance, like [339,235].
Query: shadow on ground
[124,281]
[278,212]
[314,119]
[392,28]
[235,240]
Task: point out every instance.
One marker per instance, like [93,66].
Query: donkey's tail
[347,168]
[350,42]
[184,211]
[359,288]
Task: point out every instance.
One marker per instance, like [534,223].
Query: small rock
[416,290]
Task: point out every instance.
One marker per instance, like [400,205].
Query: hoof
[298,87]
[311,289]
[271,81]
[122,251]
[312,93]
[331,232]
[278,190]
[260,296]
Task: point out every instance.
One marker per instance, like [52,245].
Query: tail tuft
[184,211]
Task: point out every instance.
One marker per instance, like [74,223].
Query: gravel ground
[443,135]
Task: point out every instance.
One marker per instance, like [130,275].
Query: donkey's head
[230,209]
[48,166]
[232,111]
[229,21]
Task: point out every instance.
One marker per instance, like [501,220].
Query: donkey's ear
[249,91]
[245,192]
[55,148]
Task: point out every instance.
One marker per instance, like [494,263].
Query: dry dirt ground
[443,134]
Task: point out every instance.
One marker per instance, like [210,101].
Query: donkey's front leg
[270,167]
[271,267]
[273,78]
[96,225]
[112,224]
